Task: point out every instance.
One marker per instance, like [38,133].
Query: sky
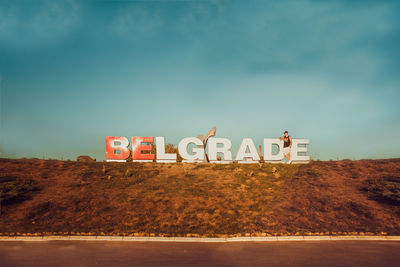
[74,72]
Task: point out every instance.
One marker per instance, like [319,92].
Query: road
[282,253]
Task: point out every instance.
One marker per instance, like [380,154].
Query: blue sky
[74,72]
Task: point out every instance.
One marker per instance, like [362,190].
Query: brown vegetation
[329,197]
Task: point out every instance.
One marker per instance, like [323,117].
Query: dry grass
[199,199]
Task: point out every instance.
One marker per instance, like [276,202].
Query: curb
[197,239]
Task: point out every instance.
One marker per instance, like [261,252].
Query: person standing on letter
[287,144]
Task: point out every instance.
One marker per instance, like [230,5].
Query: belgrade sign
[117,150]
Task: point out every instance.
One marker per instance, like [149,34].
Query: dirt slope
[330,197]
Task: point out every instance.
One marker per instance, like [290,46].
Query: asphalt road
[282,253]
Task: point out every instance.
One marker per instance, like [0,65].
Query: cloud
[29,22]
[300,36]
[135,20]
[183,17]
[201,17]
[56,16]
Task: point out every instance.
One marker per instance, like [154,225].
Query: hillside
[329,197]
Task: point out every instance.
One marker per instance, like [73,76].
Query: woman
[287,144]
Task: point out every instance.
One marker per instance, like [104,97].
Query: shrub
[385,189]
[14,190]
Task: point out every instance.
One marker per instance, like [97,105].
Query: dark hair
[285,132]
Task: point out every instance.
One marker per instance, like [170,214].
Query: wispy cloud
[26,22]
[182,17]
[301,35]
[135,20]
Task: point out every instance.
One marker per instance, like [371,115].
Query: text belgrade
[117,149]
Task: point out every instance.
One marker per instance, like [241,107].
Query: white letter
[213,149]
[251,156]
[296,149]
[160,149]
[198,151]
[268,142]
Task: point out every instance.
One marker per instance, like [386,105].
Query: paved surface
[282,253]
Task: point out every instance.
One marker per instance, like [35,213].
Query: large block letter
[247,157]
[160,151]
[268,156]
[213,149]
[117,148]
[198,151]
[138,148]
[296,149]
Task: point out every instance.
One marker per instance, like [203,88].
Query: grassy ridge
[199,199]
